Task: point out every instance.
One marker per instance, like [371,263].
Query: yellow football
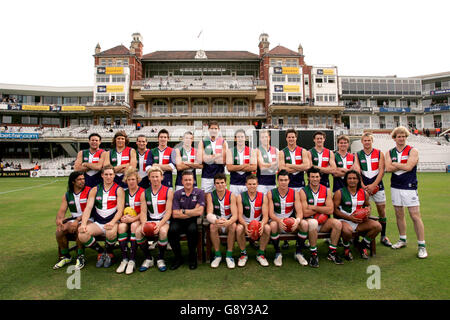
[129,211]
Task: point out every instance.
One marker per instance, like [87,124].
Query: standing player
[142,154]
[134,199]
[317,204]
[90,161]
[213,151]
[162,157]
[75,200]
[187,159]
[221,212]
[371,165]
[121,157]
[241,162]
[158,201]
[267,156]
[252,205]
[284,202]
[294,160]
[322,158]
[402,162]
[345,161]
[346,201]
[106,201]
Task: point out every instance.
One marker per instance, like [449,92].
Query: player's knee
[213,228]
[312,224]
[123,228]
[337,225]
[232,227]
[267,229]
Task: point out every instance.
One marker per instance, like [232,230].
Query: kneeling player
[134,198]
[346,201]
[317,205]
[221,212]
[158,201]
[75,200]
[252,205]
[284,203]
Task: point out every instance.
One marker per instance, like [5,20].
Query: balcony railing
[108,103]
[199,115]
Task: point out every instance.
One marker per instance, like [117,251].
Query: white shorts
[379,197]
[264,189]
[350,223]
[101,226]
[237,189]
[405,198]
[207,185]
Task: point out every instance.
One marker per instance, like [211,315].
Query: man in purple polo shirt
[188,205]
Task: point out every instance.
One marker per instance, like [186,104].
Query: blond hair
[129,172]
[398,130]
[154,168]
[343,137]
[367,134]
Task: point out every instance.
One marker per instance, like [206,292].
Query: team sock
[142,243]
[80,251]
[301,238]
[218,253]
[123,237]
[162,248]
[260,252]
[383,226]
[65,253]
[332,248]
[346,244]
[243,252]
[109,246]
[133,247]
[367,241]
[94,245]
[403,238]
[229,254]
[421,243]
[276,241]
[313,249]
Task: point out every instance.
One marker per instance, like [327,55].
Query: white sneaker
[130,267]
[230,262]
[299,257]
[161,265]
[122,266]
[278,262]
[399,244]
[242,260]
[422,254]
[148,263]
[262,260]
[216,261]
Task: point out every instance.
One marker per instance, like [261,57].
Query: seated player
[317,204]
[75,200]
[252,205]
[158,201]
[346,201]
[221,212]
[106,201]
[134,198]
[284,202]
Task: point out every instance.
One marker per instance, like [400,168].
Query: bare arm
[411,163]
[331,165]
[87,210]
[78,163]
[388,163]
[233,209]
[240,210]
[61,212]
[143,214]
[96,166]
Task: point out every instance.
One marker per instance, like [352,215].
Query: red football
[289,222]
[149,229]
[321,218]
[253,227]
[362,213]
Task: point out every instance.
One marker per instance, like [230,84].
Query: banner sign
[35,108]
[286,70]
[435,92]
[286,88]
[73,108]
[54,108]
[325,72]
[18,135]
[20,173]
[115,88]
[382,109]
[101,89]
[437,108]
[114,70]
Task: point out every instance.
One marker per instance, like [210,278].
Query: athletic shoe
[81,261]
[348,254]
[385,241]
[230,262]
[108,260]
[152,245]
[161,265]
[333,256]
[422,254]
[299,257]
[242,260]
[148,263]
[399,244]
[100,260]
[262,260]
[216,261]
[122,266]
[62,262]
[314,260]
[285,245]
[278,261]
[364,253]
[130,267]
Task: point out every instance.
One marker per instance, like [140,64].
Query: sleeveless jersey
[342,162]
[210,148]
[76,202]
[369,164]
[119,158]
[239,158]
[142,162]
[283,206]
[156,203]
[187,156]
[316,198]
[222,207]
[252,209]
[349,202]
[321,160]
[266,177]
[401,179]
[105,204]
[296,179]
[92,158]
[134,201]
[162,157]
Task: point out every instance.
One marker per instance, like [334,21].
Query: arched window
[240,106]
[180,106]
[220,106]
[160,106]
[200,106]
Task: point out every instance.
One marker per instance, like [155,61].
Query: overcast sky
[52,42]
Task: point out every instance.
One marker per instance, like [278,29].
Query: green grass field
[28,209]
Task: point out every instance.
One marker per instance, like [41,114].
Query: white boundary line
[45,184]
